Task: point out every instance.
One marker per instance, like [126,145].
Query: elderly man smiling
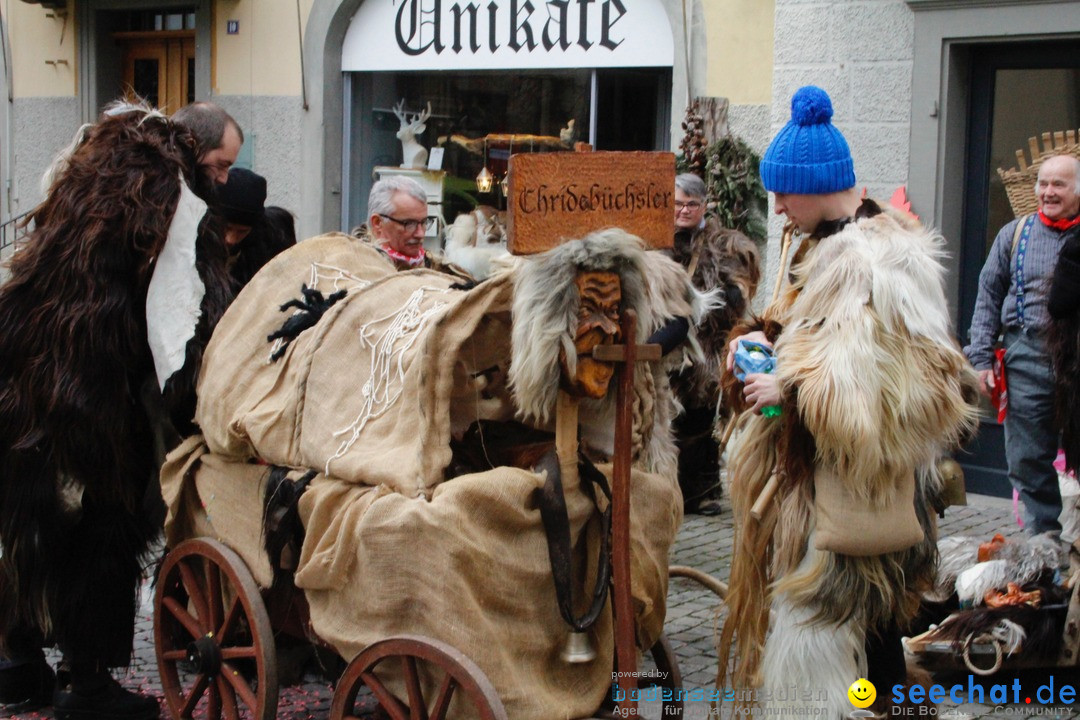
[1012,302]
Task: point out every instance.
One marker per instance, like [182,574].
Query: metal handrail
[9,231]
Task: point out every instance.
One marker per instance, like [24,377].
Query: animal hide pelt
[728,262]
[1021,629]
[873,385]
[476,238]
[545,294]
[1064,345]
[76,442]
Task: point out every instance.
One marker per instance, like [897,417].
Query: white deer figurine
[414,155]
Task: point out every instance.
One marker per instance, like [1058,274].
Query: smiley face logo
[862,693]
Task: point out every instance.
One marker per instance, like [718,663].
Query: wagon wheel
[459,677]
[212,636]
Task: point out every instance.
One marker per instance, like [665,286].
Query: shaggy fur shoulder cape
[729,263]
[545,311]
[874,386]
[867,354]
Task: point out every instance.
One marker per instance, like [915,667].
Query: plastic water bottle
[752,357]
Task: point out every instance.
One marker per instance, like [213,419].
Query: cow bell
[578,650]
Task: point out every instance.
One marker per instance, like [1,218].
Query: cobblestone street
[703,543]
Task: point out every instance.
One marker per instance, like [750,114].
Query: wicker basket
[1019,184]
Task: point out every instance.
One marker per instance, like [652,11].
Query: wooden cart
[215,626]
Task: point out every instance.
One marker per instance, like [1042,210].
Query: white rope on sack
[387,378]
[320,275]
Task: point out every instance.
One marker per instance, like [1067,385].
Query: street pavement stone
[694,618]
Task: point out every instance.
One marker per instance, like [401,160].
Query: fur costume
[476,238]
[76,440]
[1064,346]
[728,261]
[873,386]
[545,295]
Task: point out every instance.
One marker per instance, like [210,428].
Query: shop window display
[477,104]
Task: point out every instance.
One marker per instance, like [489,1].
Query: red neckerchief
[1062,224]
[402,258]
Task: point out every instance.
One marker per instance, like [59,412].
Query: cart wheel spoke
[197,690]
[182,616]
[214,599]
[443,698]
[230,619]
[238,653]
[196,593]
[213,702]
[386,698]
[174,655]
[239,684]
[228,700]
[417,707]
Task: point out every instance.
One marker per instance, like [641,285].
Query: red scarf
[402,258]
[1062,224]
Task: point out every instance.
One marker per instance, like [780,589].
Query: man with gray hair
[715,257]
[1012,302]
[398,222]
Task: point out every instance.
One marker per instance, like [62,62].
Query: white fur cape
[869,371]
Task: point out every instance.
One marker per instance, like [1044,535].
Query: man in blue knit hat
[871,387]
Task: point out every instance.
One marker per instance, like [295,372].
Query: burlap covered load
[389,363]
[369,396]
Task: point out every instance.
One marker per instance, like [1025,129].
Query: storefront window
[633,114]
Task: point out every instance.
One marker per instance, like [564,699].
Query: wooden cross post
[625,636]
[555,197]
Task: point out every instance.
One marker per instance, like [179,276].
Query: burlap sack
[243,396]
[851,525]
[372,392]
[208,496]
[469,567]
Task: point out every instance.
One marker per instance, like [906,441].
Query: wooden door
[159,67]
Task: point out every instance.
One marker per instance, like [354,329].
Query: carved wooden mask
[598,324]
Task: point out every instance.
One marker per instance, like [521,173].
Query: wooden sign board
[556,197]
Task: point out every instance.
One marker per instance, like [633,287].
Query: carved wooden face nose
[600,293]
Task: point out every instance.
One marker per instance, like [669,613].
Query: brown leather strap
[556,522]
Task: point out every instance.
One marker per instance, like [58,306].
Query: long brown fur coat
[728,262]
[874,385]
[76,443]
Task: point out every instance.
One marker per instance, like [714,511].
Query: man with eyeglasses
[715,257]
[398,222]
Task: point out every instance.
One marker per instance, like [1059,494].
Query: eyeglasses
[692,205]
[410,226]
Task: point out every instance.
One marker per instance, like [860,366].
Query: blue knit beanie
[808,156]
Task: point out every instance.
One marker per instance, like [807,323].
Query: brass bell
[952,481]
[578,649]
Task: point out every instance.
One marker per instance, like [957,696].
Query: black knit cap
[241,198]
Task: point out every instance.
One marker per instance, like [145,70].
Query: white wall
[860,52]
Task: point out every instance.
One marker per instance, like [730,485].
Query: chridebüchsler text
[571,198]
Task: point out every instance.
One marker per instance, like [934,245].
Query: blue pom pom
[811,106]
